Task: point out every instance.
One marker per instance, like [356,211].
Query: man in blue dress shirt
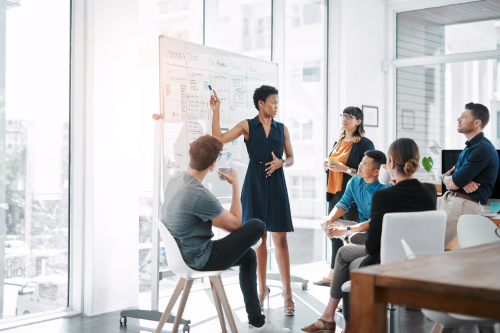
[359,190]
[470,182]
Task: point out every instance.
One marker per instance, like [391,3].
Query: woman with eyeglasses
[347,151]
[264,195]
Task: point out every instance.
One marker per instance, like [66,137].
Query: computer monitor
[449,158]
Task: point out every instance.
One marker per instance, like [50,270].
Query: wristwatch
[349,170]
[284,163]
[348,231]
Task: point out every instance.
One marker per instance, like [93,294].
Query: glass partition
[430,98]
[460,28]
[304,114]
[34,156]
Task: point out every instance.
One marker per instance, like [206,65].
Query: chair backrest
[475,230]
[423,232]
[174,257]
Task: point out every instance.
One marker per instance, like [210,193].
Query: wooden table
[465,282]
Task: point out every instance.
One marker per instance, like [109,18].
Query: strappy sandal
[289,310]
[323,282]
[262,296]
[329,327]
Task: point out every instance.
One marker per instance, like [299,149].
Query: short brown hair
[204,151]
[479,111]
[405,154]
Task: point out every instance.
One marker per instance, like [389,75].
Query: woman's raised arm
[240,129]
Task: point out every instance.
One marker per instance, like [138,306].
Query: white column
[111,202]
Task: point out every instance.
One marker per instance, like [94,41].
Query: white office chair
[475,230]
[423,231]
[472,230]
[186,277]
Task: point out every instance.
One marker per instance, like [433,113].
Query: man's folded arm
[477,161]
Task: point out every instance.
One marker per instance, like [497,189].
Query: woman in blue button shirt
[264,194]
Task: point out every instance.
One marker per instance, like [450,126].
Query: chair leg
[222,296]
[182,305]
[218,307]
[393,319]
[486,329]
[171,303]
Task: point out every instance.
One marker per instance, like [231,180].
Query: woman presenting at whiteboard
[264,194]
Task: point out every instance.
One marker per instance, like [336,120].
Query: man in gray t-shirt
[189,210]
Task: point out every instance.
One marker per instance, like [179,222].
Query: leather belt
[463,196]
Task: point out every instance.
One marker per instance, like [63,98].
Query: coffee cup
[384,176]
[225,170]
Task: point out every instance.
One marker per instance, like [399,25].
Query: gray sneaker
[358,238]
[268,328]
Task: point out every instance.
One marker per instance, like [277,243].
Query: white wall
[111,165]
[361,46]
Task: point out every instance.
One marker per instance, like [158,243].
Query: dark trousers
[351,215]
[234,250]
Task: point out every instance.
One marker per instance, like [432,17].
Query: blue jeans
[234,250]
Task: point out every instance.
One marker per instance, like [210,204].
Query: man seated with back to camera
[188,212]
[471,181]
[359,190]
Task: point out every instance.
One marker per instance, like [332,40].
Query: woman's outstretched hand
[274,165]
[215,104]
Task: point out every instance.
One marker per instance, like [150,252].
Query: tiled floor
[308,303]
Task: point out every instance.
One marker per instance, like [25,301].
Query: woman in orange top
[349,150]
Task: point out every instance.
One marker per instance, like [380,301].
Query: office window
[304,106]
[34,161]
[430,97]
[241,26]
[312,12]
[460,28]
[302,129]
[303,187]
[311,71]
[308,188]
[296,16]
[181,19]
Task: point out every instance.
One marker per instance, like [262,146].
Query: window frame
[392,11]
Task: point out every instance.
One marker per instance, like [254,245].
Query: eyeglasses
[348,116]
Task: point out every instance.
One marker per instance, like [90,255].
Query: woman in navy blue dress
[264,194]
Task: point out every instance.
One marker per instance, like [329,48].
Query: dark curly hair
[204,151]
[262,93]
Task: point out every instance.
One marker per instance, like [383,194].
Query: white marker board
[186,70]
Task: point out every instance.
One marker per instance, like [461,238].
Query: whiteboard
[186,70]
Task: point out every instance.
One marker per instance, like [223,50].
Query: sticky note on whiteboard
[205,85]
[167,89]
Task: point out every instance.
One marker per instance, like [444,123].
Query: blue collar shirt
[477,162]
[359,192]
